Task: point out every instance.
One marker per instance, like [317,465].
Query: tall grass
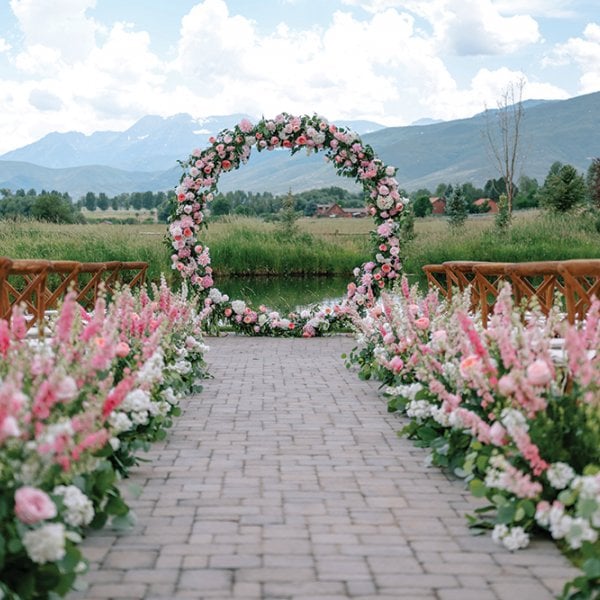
[86,243]
[531,237]
[243,246]
[238,246]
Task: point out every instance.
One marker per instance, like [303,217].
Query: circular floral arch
[343,149]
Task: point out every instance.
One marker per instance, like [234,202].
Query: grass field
[244,246]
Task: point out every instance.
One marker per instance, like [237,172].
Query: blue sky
[90,65]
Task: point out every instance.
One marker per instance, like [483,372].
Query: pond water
[284,294]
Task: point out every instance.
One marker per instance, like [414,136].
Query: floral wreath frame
[342,147]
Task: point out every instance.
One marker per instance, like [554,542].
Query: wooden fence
[573,283]
[40,285]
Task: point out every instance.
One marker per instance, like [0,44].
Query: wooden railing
[40,285]
[573,282]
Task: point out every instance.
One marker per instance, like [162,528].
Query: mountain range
[144,157]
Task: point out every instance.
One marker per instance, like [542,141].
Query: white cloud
[388,64]
[4,45]
[60,24]
[584,53]
[556,9]
[467,27]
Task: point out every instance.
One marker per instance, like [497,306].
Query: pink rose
[122,349]
[422,323]
[497,434]
[539,373]
[469,364]
[507,385]
[33,505]
[9,428]
[396,364]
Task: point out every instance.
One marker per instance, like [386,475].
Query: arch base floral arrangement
[230,149]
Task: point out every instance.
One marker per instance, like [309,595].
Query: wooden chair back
[581,284]
[25,284]
[488,279]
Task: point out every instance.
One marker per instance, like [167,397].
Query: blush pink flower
[122,349]
[33,505]
[396,364]
[539,372]
[422,323]
[469,364]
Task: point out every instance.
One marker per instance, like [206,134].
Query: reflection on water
[284,294]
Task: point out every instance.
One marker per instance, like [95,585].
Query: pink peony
[539,372]
[122,349]
[497,434]
[422,323]
[507,385]
[396,364]
[33,505]
[469,364]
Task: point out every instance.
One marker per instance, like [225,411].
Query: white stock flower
[560,475]
[418,409]
[119,422]
[513,419]
[45,544]
[580,531]
[80,510]
[135,401]
[515,539]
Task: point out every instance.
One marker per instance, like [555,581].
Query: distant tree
[456,208]
[114,203]
[527,195]
[440,190]
[136,201]
[288,215]
[563,189]
[593,183]
[310,208]
[220,206]
[148,200]
[503,216]
[52,207]
[504,136]
[422,206]
[102,202]
[91,201]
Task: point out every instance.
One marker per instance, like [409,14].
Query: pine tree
[456,208]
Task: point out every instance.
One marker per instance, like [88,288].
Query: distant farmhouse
[438,205]
[335,210]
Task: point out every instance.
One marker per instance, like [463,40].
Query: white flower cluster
[575,530]
[216,296]
[418,409]
[152,369]
[119,422]
[513,419]
[560,475]
[79,508]
[139,406]
[238,306]
[46,543]
[511,538]
[408,391]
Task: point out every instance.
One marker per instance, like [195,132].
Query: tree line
[563,189]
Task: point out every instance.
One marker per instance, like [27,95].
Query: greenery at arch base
[229,150]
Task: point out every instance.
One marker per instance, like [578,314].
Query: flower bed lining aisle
[496,409]
[75,409]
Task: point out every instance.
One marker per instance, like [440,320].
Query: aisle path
[285,479]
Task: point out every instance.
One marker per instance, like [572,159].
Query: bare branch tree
[503,135]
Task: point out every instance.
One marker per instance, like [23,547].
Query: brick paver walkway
[285,479]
